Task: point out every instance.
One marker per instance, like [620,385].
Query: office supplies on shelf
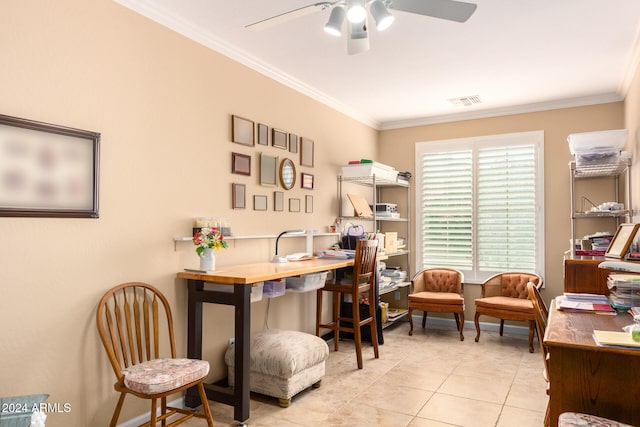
[360,205]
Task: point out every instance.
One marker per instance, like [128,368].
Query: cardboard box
[390,242]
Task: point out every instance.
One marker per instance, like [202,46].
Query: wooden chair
[437,290]
[130,320]
[541,315]
[504,296]
[364,280]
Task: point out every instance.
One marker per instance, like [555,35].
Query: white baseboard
[134,422]
[469,324]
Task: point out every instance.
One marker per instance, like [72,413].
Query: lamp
[334,25]
[381,15]
[277,258]
[356,13]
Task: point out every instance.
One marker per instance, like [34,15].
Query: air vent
[465,101]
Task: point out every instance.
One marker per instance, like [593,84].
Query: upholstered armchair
[505,296]
[437,290]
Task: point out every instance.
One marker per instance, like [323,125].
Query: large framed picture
[621,240]
[47,170]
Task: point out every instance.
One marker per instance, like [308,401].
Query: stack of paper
[586,303]
[624,290]
[618,339]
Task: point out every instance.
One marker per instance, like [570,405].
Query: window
[479,204]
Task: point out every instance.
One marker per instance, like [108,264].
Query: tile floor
[431,379]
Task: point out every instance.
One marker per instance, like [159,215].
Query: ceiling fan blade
[358,38]
[444,9]
[288,16]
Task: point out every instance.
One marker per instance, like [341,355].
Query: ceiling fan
[356,14]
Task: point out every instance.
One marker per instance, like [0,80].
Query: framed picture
[268,170]
[307,181]
[242,130]
[294,205]
[287,174]
[238,196]
[278,201]
[263,134]
[241,164]
[308,205]
[279,139]
[47,170]
[621,240]
[259,203]
[306,152]
[293,143]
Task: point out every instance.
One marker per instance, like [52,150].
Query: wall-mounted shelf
[258,236]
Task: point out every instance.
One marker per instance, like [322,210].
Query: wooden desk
[584,377]
[235,289]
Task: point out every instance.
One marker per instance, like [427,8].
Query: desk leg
[194,335]
[242,304]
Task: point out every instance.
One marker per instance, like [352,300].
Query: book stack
[585,303]
[624,290]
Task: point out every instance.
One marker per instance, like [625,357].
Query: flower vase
[207,260]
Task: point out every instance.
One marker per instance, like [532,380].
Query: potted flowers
[207,241]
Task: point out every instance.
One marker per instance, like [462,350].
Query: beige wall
[397,148]
[162,104]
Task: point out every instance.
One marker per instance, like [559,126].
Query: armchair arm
[418,283]
[492,287]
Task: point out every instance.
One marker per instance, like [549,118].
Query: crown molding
[505,111]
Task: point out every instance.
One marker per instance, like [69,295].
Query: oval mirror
[287,174]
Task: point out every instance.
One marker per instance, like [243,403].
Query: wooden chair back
[541,314]
[131,323]
[364,269]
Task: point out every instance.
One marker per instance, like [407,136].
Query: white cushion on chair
[575,419]
[160,375]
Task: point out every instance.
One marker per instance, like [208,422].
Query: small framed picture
[306,152]
[307,181]
[308,205]
[241,164]
[279,139]
[293,143]
[242,130]
[259,203]
[294,205]
[278,201]
[238,196]
[263,134]
[622,240]
[268,170]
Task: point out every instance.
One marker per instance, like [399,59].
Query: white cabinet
[586,178]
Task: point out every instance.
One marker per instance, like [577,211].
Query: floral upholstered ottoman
[283,363]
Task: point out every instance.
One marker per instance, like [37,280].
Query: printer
[386,209]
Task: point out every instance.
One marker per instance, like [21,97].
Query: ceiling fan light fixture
[358,41]
[334,25]
[381,15]
[356,12]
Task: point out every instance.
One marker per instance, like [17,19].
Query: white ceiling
[516,55]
